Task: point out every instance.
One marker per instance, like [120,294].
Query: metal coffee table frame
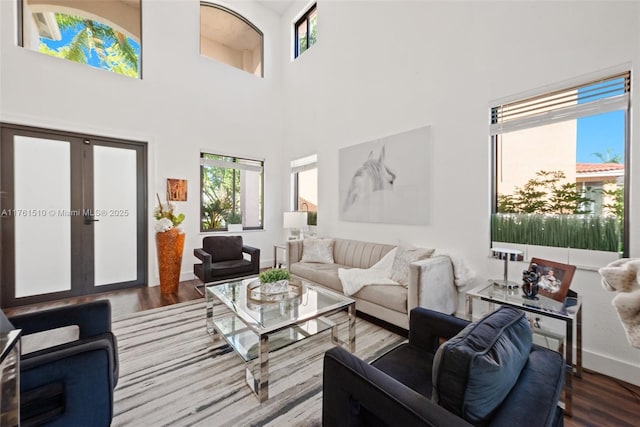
[284,324]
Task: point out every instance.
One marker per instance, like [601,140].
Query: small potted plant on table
[274,280]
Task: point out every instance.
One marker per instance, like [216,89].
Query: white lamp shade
[295,220]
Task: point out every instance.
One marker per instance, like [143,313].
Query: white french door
[73,214]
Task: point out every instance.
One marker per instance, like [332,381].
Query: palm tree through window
[110,42]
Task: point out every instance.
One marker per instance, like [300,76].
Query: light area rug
[172,373]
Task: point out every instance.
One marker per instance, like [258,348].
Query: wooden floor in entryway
[598,400]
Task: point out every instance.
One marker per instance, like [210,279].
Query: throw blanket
[462,274]
[354,279]
[623,277]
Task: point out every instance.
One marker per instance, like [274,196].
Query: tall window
[104,34]
[306,30]
[230,38]
[560,167]
[304,180]
[230,188]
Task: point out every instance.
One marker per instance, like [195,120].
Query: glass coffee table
[255,324]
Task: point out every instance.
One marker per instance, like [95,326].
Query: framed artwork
[386,180]
[555,278]
[176,190]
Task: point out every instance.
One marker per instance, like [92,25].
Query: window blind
[233,163]
[304,163]
[594,97]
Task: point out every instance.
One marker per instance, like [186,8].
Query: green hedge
[593,232]
[312,218]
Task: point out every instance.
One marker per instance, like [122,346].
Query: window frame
[246,21]
[236,193]
[303,19]
[576,84]
[20,9]
[299,165]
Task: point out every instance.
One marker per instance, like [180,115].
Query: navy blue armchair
[397,388]
[69,384]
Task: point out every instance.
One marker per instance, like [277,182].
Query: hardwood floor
[122,302]
[598,400]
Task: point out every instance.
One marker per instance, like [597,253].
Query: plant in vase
[169,246]
[274,280]
[165,212]
[234,221]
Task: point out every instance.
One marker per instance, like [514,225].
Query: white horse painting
[386,180]
[372,176]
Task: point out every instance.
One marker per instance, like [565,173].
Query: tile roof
[598,167]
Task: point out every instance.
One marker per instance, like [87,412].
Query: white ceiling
[278,6]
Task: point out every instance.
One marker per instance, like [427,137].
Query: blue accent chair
[397,388]
[69,384]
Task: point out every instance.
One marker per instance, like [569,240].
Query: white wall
[383,67]
[184,102]
[378,68]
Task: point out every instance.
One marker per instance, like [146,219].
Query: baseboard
[186,275]
[267,263]
[611,367]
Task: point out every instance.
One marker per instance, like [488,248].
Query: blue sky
[602,132]
[597,133]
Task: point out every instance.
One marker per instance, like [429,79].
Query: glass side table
[569,312]
[283,248]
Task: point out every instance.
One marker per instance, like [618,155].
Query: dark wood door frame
[82,282]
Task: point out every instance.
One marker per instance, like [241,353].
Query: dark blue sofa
[492,359]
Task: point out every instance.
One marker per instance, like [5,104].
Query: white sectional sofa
[430,281]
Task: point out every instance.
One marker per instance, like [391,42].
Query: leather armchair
[396,388]
[223,259]
[69,384]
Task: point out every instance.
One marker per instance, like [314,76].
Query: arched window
[104,34]
[230,38]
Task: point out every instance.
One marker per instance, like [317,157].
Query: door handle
[88,220]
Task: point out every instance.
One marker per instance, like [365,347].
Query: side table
[283,247]
[570,312]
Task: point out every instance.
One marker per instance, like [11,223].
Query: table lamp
[506,254]
[296,222]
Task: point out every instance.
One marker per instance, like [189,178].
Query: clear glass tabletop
[258,321]
[514,297]
[264,317]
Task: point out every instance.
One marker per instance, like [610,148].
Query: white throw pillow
[405,255]
[317,250]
